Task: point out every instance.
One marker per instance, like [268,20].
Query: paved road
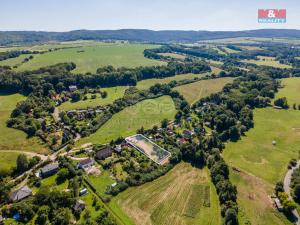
[287,189]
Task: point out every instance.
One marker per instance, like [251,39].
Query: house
[20,194]
[49,170]
[84,191]
[118,148]
[104,153]
[79,204]
[188,133]
[85,163]
[73,88]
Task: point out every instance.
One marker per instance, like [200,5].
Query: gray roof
[49,167]
[21,193]
[79,204]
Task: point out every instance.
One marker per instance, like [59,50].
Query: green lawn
[166,199]
[12,139]
[145,84]
[113,93]
[194,91]
[146,113]
[89,58]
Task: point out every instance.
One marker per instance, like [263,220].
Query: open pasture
[113,93]
[13,139]
[145,84]
[89,58]
[263,163]
[194,91]
[290,90]
[267,61]
[184,196]
[126,122]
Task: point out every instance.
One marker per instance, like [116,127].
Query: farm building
[104,153]
[85,163]
[49,170]
[20,194]
[79,204]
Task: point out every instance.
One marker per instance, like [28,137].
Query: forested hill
[21,37]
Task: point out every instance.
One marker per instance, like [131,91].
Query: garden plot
[148,148]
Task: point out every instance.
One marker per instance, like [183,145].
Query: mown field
[262,163]
[267,61]
[184,196]
[13,61]
[12,139]
[113,93]
[7,161]
[89,58]
[145,84]
[146,113]
[194,91]
[291,90]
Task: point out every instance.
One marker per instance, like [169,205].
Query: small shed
[84,191]
[73,88]
[79,204]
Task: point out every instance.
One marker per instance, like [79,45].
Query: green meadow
[89,58]
[145,84]
[262,163]
[12,139]
[194,91]
[143,114]
[267,61]
[113,93]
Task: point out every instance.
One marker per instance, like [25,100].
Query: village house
[118,148]
[49,170]
[85,163]
[20,194]
[188,133]
[79,205]
[104,153]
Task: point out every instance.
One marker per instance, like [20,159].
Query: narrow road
[287,189]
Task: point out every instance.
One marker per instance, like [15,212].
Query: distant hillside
[26,37]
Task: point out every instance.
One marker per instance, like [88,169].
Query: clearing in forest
[194,91]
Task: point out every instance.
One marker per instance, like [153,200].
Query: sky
[66,15]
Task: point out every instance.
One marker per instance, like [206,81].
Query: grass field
[145,84]
[13,61]
[263,164]
[194,91]
[173,55]
[89,58]
[125,123]
[267,61]
[113,93]
[12,139]
[177,198]
[7,160]
[291,90]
